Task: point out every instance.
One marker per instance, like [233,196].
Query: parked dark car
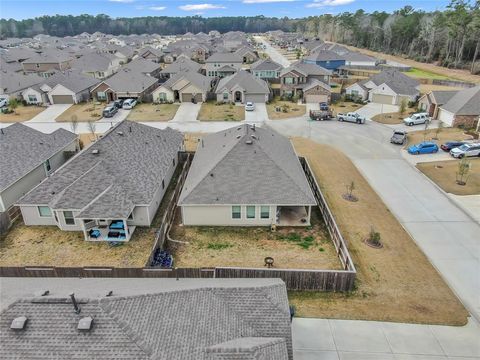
[118,103]
[323,106]
[449,145]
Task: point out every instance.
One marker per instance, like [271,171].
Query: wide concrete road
[273,53]
[449,238]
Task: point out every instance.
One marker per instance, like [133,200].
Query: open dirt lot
[22,113]
[291,110]
[82,113]
[299,248]
[392,118]
[443,173]
[445,134]
[396,283]
[153,112]
[458,74]
[211,111]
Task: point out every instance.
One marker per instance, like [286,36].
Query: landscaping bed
[22,113]
[444,174]
[394,283]
[153,112]
[291,248]
[212,111]
[82,113]
[288,109]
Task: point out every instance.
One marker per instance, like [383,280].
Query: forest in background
[450,37]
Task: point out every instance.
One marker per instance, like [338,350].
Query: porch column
[309,211]
[125,226]
[84,230]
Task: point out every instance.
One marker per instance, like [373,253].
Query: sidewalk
[321,339]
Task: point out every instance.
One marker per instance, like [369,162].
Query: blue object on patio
[95,233]
[116,225]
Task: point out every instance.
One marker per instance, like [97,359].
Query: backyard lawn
[395,283]
[287,109]
[22,113]
[444,174]
[393,118]
[212,111]
[153,112]
[424,74]
[301,248]
[82,113]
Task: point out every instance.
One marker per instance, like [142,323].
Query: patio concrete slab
[315,355]
[360,336]
[365,356]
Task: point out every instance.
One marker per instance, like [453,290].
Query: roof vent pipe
[75,304]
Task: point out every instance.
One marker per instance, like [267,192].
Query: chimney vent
[95,151]
[249,142]
[85,323]
[76,308]
[18,323]
[120,133]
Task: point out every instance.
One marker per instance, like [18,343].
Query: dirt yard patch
[305,248]
[287,109]
[395,283]
[444,174]
[345,107]
[82,113]
[426,88]
[153,112]
[191,140]
[22,113]
[445,134]
[392,118]
[211,111]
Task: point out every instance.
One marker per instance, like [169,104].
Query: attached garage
[62,99]
[446,117]
[187,97]
[255,98]
[382,99]
[315,98]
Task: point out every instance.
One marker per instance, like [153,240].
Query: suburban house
[327,59]
[266,69]
[67,88]
[387,87]
[180,65]
[146,67]
[432,101]
[48,60]
[28,157]
[242,87]
[13,84]
[183,87]
[110,187]
[223,64]
[353,59]
[246,176]
[304,81]
[125,84]
[247,54]
[463,108]
[97,65]
[211,322]
[150,53]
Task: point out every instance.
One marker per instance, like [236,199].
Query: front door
[238,96]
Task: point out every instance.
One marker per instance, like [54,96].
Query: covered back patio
[107,229]
[293,215]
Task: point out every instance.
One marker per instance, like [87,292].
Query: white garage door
[382,99]
[316,98]
[62,99]
[445,116]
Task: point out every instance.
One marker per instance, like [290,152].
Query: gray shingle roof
[224,58]
[397,81]
[266,64]
[23,149]
[324,55]
[306,69]
[127,80]
[464,102]
[93,61]
[72,80]
[196,79]
[170,325]
[442,96]
[227,170]
[181,64]
[143,66]
[245,80]
[127,171]
[12,82]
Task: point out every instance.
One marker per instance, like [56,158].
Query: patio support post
[84,230]
[309,211]
[127,233]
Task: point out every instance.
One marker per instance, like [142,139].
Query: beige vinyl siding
[221,215]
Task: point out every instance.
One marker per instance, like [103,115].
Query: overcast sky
[23,9]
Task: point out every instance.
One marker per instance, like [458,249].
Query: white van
[418,118]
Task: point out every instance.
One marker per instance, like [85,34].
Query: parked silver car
[466,150]
[399,137]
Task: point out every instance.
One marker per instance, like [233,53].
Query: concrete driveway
[258,115]
[187,112]
[372,109]
[273,53]
[50,113]
[119,116]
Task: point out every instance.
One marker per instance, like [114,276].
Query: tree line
[450,37]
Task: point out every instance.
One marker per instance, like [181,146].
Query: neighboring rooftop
[266,64]
[464,102]
[397,81]
[248,82]
[224,58]
[23,149]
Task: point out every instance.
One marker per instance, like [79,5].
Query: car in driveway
[449,145]
[466,150]
[426,147]
[109,111]
[324,106]
[416,119]
[249,106]
[129,104]
[3,102]
[399,137]
[351,117]
[118,103]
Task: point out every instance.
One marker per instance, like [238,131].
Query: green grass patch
[218,246]
[422,74]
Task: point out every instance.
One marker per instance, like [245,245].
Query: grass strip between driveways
[395,283]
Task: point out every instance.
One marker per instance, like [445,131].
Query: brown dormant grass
[293,110]
[395,283]
[22,113]
[82,113]
[445,134]
[153,112]
[210,111]
[392,118]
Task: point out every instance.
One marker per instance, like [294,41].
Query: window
[47,165]
[101,95]
[101,74]
[32,98]
[250,212]
[162,96]
[264,212]
[44,211]
[236,212]
[69,219]
[288,80]
[225,96]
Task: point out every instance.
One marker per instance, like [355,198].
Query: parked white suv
[249,106]
[466,150]
[415,119]
[129,104]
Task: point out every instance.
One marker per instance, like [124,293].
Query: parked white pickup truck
[351,117]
